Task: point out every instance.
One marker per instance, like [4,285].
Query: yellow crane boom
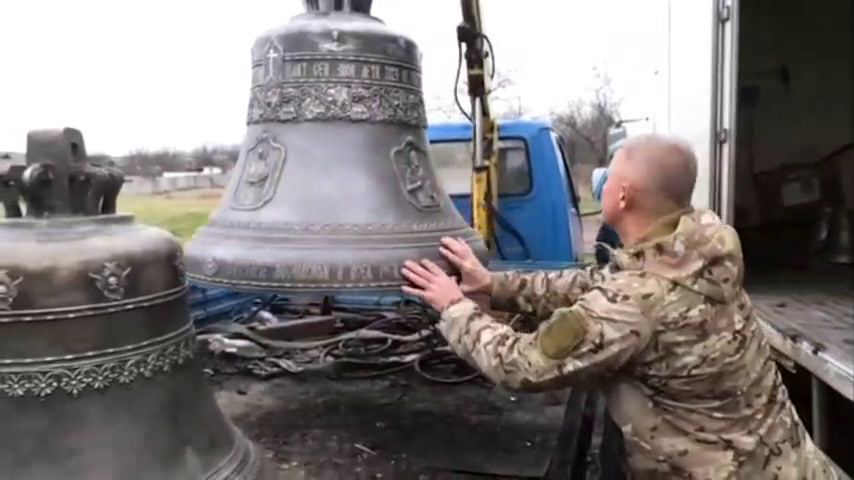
[478,57]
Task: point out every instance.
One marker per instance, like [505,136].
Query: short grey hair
[669,165]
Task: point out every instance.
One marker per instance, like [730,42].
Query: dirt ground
[394,427]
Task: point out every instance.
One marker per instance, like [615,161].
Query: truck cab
[538,218]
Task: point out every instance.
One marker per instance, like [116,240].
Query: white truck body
[755,86]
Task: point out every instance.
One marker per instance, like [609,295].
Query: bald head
[663,170]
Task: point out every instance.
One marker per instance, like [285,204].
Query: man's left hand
[431,284]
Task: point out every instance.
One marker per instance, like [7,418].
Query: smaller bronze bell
[99,373]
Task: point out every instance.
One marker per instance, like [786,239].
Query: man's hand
[431,284]
[475,277]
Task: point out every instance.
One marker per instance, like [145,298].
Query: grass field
[181,213]
[588,206]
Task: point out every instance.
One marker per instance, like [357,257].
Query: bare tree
[151,163]
[510,108]
[584,124]
[501,83]
[222,156]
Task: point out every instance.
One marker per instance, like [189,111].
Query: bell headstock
[60,180]
[353,6]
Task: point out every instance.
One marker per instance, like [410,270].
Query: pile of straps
[346,342]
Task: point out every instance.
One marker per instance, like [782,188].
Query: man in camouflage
[666,330]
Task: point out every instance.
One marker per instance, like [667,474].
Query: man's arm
[597,335]
[539,293]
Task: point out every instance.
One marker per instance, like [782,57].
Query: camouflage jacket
[668,333]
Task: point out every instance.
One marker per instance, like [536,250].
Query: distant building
[11,158]
[197,171]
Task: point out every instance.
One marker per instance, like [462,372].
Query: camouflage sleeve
[597,335]
[539,293]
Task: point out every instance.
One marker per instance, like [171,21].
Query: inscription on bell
[296,70]
[391,74]
[356,274]
[372,72]
[345,70]
[293,69]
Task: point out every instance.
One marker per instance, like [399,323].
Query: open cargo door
[699,103]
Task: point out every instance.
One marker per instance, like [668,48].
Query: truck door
[724,100]
[698,106]
[576,234]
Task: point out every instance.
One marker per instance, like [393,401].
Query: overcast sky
[175,73]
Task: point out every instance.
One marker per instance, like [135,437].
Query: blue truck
[538,220]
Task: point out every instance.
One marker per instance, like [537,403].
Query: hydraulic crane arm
[479,70]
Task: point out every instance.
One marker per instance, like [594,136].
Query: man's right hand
[474,277]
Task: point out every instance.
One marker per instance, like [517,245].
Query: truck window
[452,161]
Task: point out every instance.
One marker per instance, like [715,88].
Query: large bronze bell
[99,377]
[334,188]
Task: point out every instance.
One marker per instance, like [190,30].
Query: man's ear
[625,195]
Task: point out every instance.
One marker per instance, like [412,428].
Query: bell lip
[298,286]
[28,223]
[290,290]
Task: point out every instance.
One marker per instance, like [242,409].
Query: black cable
[491,54]
[457,82]
[460,61]
[506,225]
[364,348]
[435,358]
[263,305]
[420,347]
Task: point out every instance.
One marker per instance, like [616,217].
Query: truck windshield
[452,161]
